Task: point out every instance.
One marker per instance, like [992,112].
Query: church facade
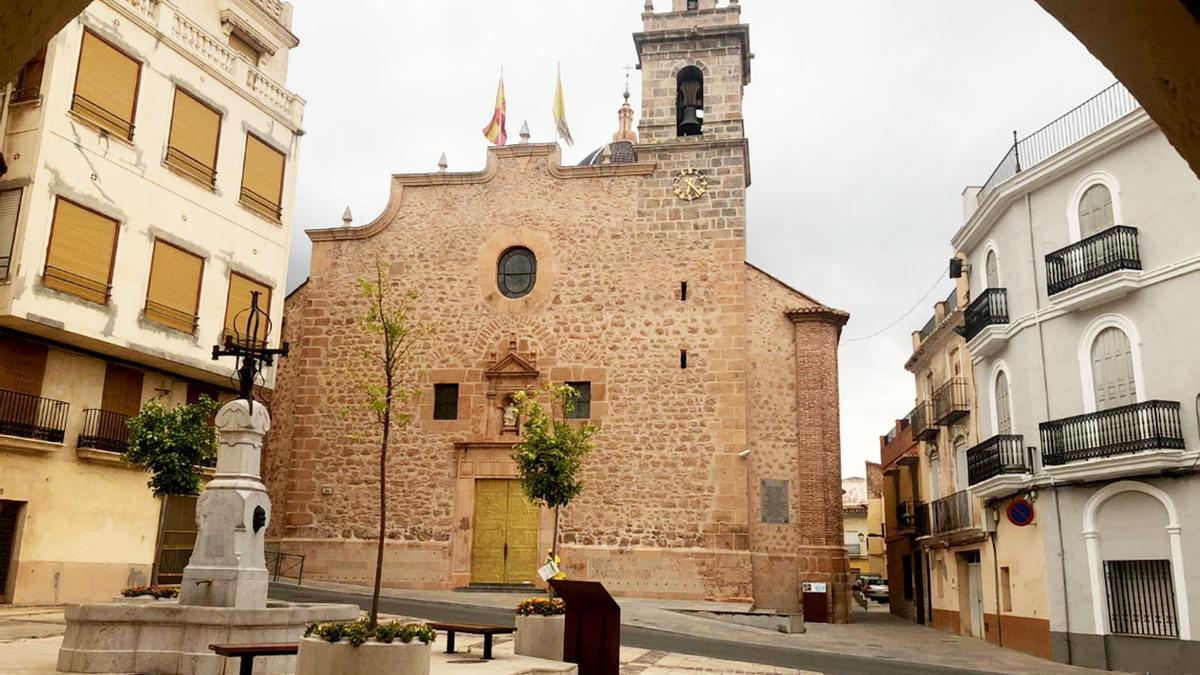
[716,472]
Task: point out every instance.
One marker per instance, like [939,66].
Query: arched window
[1112,369]
[689,102]
[961,477]
[992,270]
[935,477]
[1003,404]
[517,272]
[1095,210]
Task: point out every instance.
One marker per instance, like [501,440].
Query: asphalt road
[635,636]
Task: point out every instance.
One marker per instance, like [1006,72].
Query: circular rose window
[517,272]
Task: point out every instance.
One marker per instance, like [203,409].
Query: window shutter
[1095,211]
[194,134]
[107,84]
[262,178]
[244,48]
[122,390]
[174,287]
[240,289]
[22,365]
[81,252]
[10,206]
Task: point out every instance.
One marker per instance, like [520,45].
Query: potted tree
[365,647]
[548,456]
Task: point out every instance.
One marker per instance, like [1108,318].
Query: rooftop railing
[1085,119]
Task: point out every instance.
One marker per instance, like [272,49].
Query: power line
[905,315]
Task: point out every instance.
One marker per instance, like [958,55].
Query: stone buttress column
[821,555]
[227,567]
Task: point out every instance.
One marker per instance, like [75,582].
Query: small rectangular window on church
[582,408]
[445,401]
[683,358]
[683,291]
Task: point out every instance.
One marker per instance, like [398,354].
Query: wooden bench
[247,652]
[487,631]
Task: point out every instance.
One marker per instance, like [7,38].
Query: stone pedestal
[227,567]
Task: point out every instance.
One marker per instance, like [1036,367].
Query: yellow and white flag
[560,112]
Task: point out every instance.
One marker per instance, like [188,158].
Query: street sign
[1020,512]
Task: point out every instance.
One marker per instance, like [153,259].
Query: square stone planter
[318,657]
[540,636]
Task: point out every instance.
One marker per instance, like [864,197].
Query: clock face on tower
[690,184]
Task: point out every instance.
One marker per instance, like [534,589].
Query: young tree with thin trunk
[389,319]
[551,450]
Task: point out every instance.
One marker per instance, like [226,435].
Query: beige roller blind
[240,289]
[262,177]
[192,146]
[106,85]
[81,252]
[10,207]
[174,287]
[244,48]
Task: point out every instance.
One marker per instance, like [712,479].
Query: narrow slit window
[581,408]
[683,291]
[683,358]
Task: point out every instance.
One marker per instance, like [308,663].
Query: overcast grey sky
[866,119]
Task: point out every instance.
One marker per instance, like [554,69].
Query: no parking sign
[1020,512]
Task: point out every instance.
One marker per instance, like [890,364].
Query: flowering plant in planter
[358,632]
[541,606]
[157,592]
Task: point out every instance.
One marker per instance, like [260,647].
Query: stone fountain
[223,598]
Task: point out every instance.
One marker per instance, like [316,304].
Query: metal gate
[176,538]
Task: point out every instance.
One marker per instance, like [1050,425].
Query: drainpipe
[996,574]
[1062,551]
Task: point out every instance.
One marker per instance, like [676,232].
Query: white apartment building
[1083,257]
[150,156]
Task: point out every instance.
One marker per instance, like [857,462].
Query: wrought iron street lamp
[248,344]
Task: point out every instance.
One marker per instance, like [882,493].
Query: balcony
[922,422]
[906,515]
[1141,438]
[984,320]
[953,514]
[104,430]
[999,466]
[1100,268]
[32,417]
[951,402]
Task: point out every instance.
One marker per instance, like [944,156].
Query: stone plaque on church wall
[774,500]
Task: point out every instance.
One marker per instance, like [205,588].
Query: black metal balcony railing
[261,205]
[1005,453]
[1087,118]
[906,515]
[991,307]
[5,263]
[951,302]
[922,422]
[1126,430]
[76,284]
[169,316]
[927,329]
[951,401]
[921,520]
[950,513]
[104,430]
[1102,253]
[27,416]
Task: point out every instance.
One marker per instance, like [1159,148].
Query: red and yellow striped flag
[494,131]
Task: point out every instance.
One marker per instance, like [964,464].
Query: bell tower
[695,63]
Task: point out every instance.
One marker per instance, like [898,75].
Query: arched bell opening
[689,102]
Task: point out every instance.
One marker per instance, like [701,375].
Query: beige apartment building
[862,522]
[150,154]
